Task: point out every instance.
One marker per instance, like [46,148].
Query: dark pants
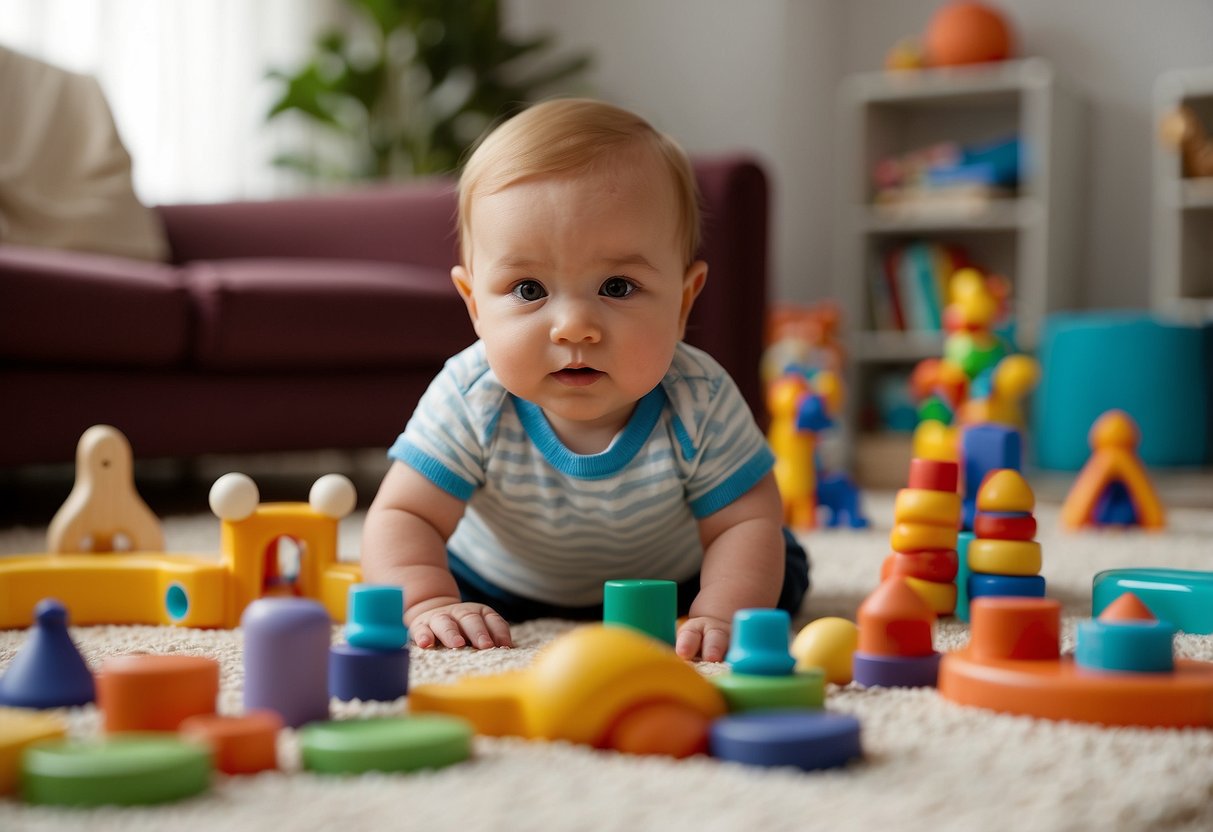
[515,608]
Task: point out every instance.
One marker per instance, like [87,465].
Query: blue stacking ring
[1127,646]
[805,739]
[982,585]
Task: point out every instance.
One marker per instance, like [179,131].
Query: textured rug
[930,765]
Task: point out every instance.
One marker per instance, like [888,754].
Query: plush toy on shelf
[1184,131]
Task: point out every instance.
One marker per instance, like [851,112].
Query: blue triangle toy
[48,671]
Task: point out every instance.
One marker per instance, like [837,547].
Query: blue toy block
[896,671]
[366,674]
[986,448]
[838,494]
[811,415]
[1181,597]
[1115,507]
[48,671]
[1125,646]
[375,617]
[1000,586]
[962,575]
[760,643]
[803,739]
[1161,374]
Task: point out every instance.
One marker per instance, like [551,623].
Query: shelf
[1196,194]
[952,86]
[991,215]
[892,346]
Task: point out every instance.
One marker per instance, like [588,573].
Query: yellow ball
[827,643]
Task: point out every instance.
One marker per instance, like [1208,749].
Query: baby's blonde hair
[567,135]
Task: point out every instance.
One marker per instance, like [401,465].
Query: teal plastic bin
[1159,373]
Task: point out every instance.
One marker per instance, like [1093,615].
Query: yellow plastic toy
[583,687]
[153,587]
[19,728]
[828,643]
[1114,439]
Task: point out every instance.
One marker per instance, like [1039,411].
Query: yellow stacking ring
[920,505]
[916,537]
[1004,557]
[941,598]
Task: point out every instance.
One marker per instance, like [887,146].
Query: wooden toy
[895,639]
[806,740]
[151,587]
[20,728]
[1181,597]
[759,646]
[48,671]
[580,688]
[1013,664]
[147,692]
[1114,482]
[103,510]
[804,689]
[126,770]
[829,644]
[286,655]
[243,744]
[649,606]
[396,744]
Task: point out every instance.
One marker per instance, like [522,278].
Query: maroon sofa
[296,324]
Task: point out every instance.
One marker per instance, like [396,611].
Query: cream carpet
[930,765]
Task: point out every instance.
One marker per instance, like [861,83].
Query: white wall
[725,75]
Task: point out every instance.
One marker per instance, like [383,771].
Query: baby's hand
[457,625]
[704,636]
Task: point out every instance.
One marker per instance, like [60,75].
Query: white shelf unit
[1182,250]
[1029,237]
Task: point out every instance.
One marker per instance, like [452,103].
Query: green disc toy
[388,744]
[743,692]
[124,770]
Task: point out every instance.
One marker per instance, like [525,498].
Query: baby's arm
[743,563]
[404,543]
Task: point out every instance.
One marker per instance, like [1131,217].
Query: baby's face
[578,288]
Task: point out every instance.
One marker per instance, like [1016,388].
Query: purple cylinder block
[286,651]
[368,674]
[896,671]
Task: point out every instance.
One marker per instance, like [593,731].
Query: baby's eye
[617,287]
[529,290]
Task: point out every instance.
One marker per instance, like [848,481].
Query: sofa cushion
[301,315]
[88,309]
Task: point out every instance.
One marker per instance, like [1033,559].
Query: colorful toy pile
[926,518]
[1004,558]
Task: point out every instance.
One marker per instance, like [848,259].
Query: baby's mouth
[577,376]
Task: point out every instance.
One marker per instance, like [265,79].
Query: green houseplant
[404,87]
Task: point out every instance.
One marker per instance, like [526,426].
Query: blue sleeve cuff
[431,469]
[741,481]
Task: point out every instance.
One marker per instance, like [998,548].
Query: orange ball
[967,32]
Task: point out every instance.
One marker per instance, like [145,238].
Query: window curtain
[186,81]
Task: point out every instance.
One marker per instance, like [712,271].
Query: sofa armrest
[400,223]
[729,317]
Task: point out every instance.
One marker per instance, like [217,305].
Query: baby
[579,440]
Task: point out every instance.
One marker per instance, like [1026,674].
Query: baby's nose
[575,322]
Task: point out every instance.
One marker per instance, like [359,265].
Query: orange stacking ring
[1004,527]
[934,508]
[145,692]
[241,744]
[939,565]
[918,537]
[1025,629]
[1005,557]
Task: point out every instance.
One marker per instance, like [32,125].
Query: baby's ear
[692,284]
[463,283]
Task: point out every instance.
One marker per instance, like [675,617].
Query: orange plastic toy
[1012,664]
[926,518]
[241,744]
[145,692]
[895,638]
[1114,439]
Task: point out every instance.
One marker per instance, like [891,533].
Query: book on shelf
[909,286]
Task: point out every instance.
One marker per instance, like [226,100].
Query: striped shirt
[549,524]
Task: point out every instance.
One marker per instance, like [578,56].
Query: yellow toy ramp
[576,689]
[136,588]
